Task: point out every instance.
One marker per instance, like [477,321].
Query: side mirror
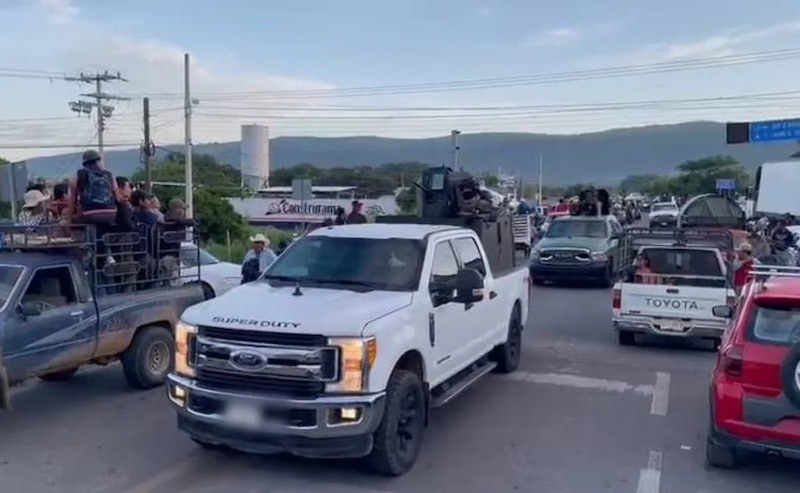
[722,311]
[29,309]
[469,286]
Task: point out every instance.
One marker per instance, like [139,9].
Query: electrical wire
[510,81]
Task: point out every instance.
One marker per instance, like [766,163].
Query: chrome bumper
[648,325]
[309,427]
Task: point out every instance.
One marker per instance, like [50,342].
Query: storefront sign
[288,210]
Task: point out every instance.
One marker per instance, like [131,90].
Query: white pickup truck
[676,298]
[346,342]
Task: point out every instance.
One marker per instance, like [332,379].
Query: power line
[97,101]
[509,81]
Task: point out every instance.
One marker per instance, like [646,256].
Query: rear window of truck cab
[676,261]
[774,322]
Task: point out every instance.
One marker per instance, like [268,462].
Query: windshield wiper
[283,278]
[349,282]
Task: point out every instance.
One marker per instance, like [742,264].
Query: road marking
[575,381]
[650,478]
[187,466]
[660,401]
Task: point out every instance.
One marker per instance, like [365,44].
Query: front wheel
[398,439]
[148,359]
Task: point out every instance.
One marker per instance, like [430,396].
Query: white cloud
[553,38]
[483,12]
[721,44]
[156,68]
[60,11]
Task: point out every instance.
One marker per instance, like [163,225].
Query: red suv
[755,387]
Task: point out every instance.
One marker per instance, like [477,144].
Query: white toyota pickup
[676,293]
[346,342]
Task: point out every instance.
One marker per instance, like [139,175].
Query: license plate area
[245,415]
[672,325]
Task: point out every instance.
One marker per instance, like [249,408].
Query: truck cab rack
[693,237]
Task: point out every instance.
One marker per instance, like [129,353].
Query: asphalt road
[582,415]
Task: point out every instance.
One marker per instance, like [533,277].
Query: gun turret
[451,194]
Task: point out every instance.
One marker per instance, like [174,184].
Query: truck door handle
[79,313]
[492,295]
[672,291]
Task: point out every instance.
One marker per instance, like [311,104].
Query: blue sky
[290,64]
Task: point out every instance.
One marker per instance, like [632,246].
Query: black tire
[720,456]
[208,291]
[59,376]
[626,338]
[149,359]
[610,276]
[791,387]
[507,355]
[404,416]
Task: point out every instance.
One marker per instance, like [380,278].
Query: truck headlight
[184,341]
[599,256]
[357,357]
[534,255]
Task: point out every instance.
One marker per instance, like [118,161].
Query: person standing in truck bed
[94,195]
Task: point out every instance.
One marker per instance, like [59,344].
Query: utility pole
[148,149]
[187,107]
[541,166]
[97,101]
[455,148]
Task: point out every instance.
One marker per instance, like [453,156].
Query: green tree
[407,200]
[213,182]
[371,181]
[700,175]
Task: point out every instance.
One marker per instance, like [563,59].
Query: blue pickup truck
[63,305]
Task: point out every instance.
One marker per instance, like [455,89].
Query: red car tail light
[616,301]
[732,360]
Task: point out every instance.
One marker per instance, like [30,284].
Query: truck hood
[332,312]
[593,244]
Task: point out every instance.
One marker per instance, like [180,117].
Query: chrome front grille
[564,256]
[296,364]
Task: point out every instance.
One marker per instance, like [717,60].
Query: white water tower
[254,150]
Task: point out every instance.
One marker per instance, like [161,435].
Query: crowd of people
[94,196]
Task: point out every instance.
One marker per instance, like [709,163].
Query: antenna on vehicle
[297,291]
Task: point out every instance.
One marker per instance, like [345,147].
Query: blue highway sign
[724,184]
[775,130]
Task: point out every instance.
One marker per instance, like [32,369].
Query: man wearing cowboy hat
[34,208]
[257,259]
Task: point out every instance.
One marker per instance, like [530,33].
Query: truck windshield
[391,264]
[9,276]
[586,229]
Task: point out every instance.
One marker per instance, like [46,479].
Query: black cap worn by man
[356,216]
[90,156]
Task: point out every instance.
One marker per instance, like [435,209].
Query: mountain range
[600,157]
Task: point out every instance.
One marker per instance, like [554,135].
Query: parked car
[218,277]
[755,386]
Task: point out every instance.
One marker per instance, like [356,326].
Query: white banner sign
[288,210]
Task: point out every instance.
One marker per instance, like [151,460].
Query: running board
[460,382]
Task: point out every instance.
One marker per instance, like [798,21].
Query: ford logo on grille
[248,360]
